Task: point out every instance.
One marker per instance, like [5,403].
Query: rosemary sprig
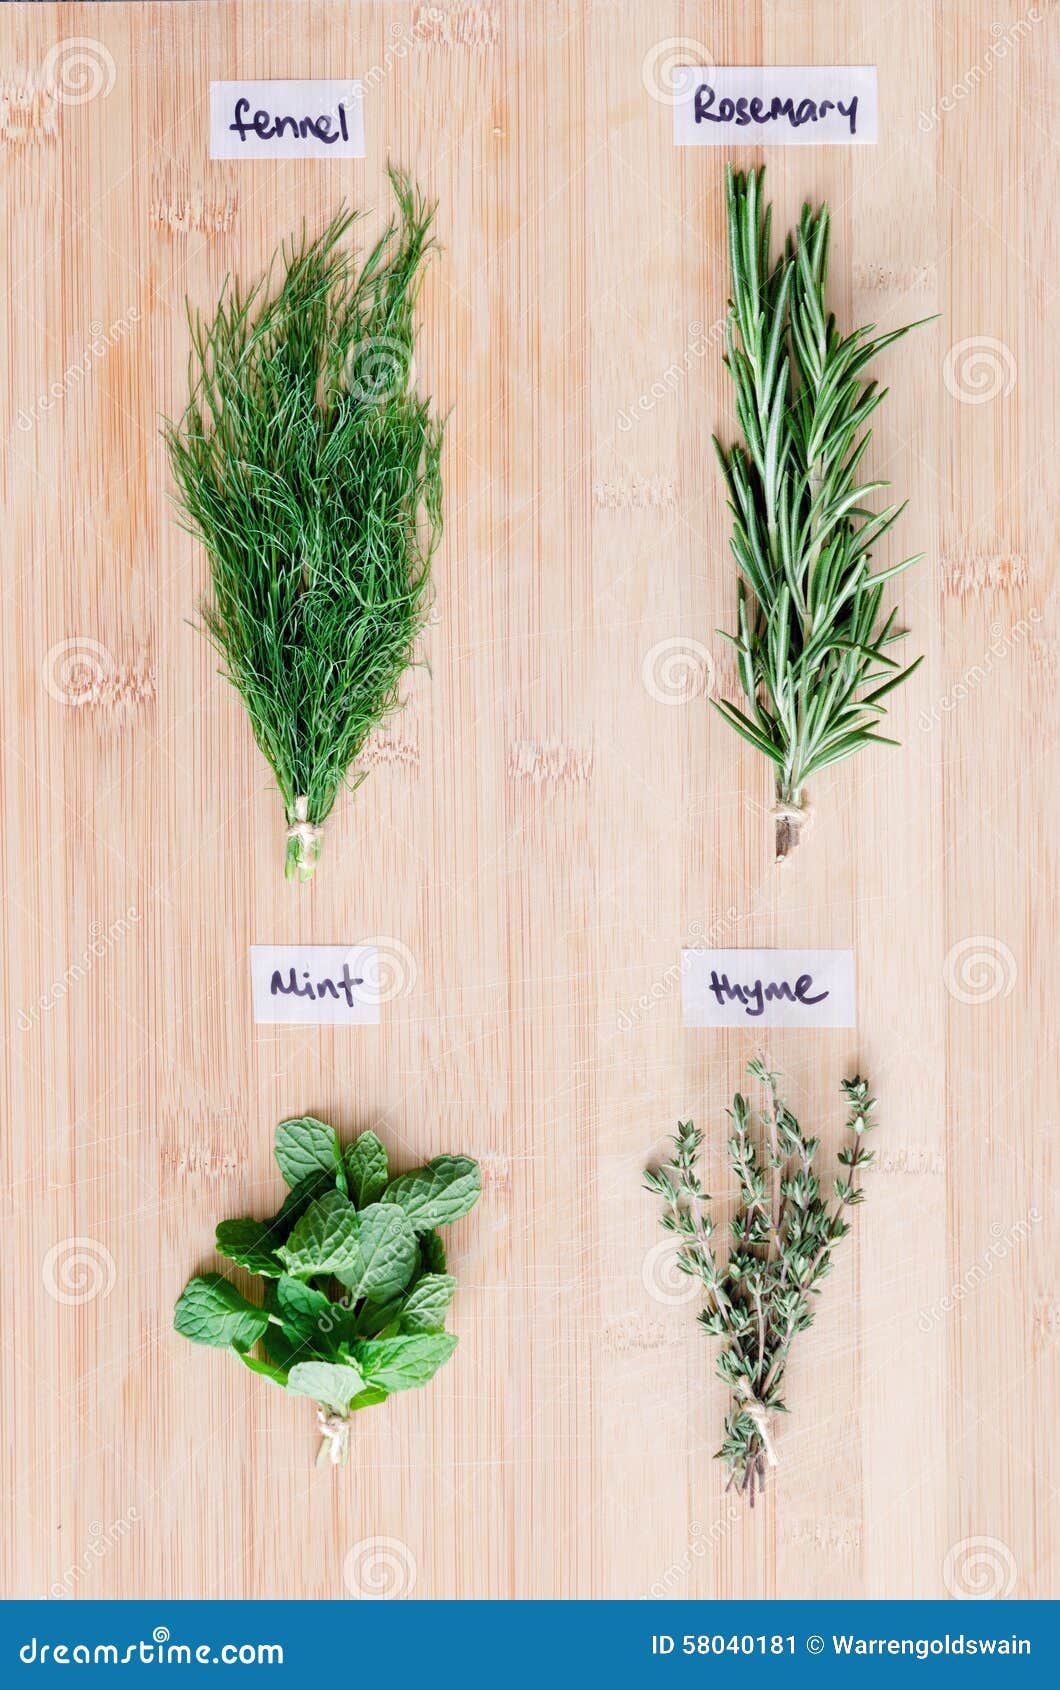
[308,466]
[809,639]
[781,1239]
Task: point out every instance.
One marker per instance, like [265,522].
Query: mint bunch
[355,1284]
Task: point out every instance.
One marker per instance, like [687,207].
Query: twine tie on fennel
[305,836]
[335,1432]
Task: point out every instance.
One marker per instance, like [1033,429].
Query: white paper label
[286,120]
[316,985]
[775,105]
[768,988]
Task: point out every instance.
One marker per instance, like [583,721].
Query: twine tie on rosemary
[307,833]
[335,1432]
[786,810]
[763,1420]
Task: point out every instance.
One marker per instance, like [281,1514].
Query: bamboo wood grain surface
[552,816]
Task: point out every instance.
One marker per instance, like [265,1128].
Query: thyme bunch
[809,637]
[308,466]
[781,1239]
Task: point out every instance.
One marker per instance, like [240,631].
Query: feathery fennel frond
[308,465]
[813,655]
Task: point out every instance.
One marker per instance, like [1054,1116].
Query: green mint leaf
[277,1374]
[442,1191]
[386,1254]
[297,1201]
[426,1305]
[306,1146]
[250,1243]
[308,1314]
[324,1240]
[432,1253]
[374,1318]
[367,1170]
[211,1311]
[331,1383]
[399,1364]
[368,1398]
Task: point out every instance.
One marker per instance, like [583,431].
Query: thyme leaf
[781,1237]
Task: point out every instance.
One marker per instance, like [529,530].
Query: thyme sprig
[809,638]
[308,466]
[781,1239]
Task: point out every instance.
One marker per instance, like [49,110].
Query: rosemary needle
[809,638]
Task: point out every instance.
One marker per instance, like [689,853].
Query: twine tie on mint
[335,1432]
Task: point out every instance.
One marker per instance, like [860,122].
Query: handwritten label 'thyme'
[775,105]
[316,985]
[286,120]
[768,988]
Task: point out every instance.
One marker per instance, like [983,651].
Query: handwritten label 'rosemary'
[286,120]
[768,988]
[775,105]
[316,985]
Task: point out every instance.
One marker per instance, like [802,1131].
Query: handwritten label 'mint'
[775,105]
[768,988]
[316,985]
[286,120]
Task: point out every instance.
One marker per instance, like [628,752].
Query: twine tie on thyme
[335,1432]
[763,1420]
